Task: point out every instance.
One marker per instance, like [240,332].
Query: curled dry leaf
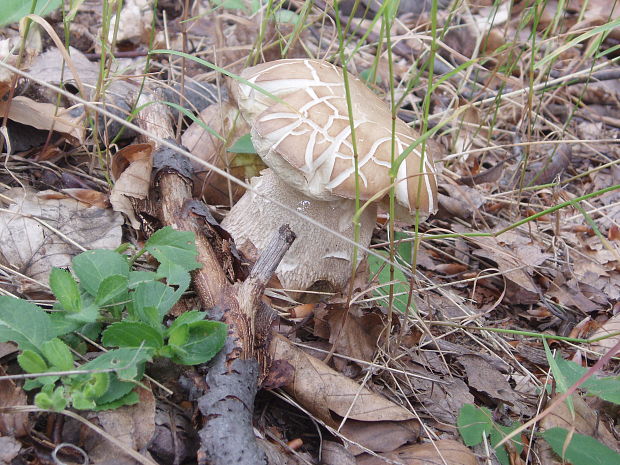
[323,390]
[133,425]
[131,170]
[585,421]
[12,424]
[611,326]
[28,243]
[88,196]
[223,119]
[446,452]
[44,116]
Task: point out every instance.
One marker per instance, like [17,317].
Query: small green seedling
[123,307]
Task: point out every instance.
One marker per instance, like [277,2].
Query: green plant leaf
[179,335]
[112,290]
[51,399]
[474,423]
[560,379]
[31,362]
[381,271]
[125,362]
[156,295]
[242,145]
[132,334]
[24,323]
[88,314]
[205,340]
[137,277]
[131,398]
[171,247]
[186,318]
[12,11]
[57,354]
[93,266]
[582,450]
[66,290]
[499,432]
[607,388]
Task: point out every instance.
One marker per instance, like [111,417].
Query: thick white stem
[316,255]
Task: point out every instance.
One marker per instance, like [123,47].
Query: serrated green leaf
[242,145]
[81,401]
[57,354]
[179,335]
[474,423]
[112,290]
[171,247]
[93,266]
[66,290]
[24,323]
[132,334]
[206,338]
[88,314]
[51,400]
[152,295]
[582,450]
[130,398]
[31,362]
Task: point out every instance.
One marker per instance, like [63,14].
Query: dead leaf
[586,421]
[483,377]
[611,326]
[323,390]
[443,452]
[32,248]
[380,436]
[336,454]
[9,448]
[133,425]
[223,119]
[134,24]
[131,169]
[44,116]
[12,424]
[88,196]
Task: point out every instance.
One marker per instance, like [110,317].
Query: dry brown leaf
[9,448]
[586,421]
[12,424]
[44,116]
[131,170]
[484,377]
[132,425]
[88,196]
[347,331]
[609,327]
[224,119]
[135,22]
[380,436]
[335,454]
[32,248]
[443,452]
[323,390]
[515,256]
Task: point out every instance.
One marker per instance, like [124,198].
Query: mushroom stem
[317,259]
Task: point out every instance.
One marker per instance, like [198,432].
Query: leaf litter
[386,394]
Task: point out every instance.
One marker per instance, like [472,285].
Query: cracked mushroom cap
[306,137]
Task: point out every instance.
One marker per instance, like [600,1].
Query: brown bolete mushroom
[305,140]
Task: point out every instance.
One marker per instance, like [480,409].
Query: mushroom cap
[306,136]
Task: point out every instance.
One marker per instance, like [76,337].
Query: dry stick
[175,190]
[233,379]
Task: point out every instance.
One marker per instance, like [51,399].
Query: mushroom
[304,138]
